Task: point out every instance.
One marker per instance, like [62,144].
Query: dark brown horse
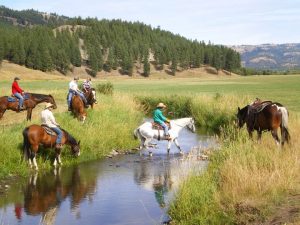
[265,116]
[29,103]
[90,96]
[34,135]
[77,107]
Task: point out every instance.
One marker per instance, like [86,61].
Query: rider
[18,92]
[87,86]
[49,120]
[73,88]
[159,118]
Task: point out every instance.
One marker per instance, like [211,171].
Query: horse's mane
[39,96]
[70,138]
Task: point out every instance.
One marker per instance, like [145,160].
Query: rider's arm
[52,119]
[161,116]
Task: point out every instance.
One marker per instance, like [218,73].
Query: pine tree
[146,64]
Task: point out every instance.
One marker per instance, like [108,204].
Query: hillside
[48,42]
[270,56]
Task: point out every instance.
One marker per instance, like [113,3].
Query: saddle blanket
[157,126]
[14,99]
[48,130]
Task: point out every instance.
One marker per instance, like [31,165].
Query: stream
[124,190]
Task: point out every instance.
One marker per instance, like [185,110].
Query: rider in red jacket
[18,92]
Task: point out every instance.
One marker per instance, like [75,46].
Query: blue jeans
[166,128]
[59,134]
[21,99]
[70,95]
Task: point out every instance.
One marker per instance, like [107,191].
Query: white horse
[145,133]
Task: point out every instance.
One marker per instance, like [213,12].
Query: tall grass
[209,112]
[244,182]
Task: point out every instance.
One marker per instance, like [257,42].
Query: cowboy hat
[161,105]
[48,105]
[17,78]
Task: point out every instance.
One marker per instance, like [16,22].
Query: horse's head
[75,147]
[52,101]
[242,116]
[191,125]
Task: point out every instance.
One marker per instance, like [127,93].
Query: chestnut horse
[34,135]
[29,103]
[77,107]
[265,116]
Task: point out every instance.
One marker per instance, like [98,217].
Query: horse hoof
[150,154]
[181,153]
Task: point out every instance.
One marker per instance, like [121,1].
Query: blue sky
[228,22]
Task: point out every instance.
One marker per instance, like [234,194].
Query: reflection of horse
[29,103]
[145,132]
[265,116]
[43,194]
[90,96]
[77,107]
[35,135]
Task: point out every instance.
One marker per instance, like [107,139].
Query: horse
[34,135]
[30,103]
[90,96]
[77,108]
[265,116]
[145,133]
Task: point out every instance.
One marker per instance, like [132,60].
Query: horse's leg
[146,144]
[275,136]
[178,146]
[169,146]
[2,111]
[259,133]
[33,155]
[57,157]
[29,111]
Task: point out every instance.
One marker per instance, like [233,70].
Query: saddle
[257,107]
[15,99]
[48,130]
[157,126]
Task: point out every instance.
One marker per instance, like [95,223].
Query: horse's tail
[285,135]
[136,133]
[26,144]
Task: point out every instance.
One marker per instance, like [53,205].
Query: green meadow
[245,180]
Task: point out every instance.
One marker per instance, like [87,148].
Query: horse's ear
[78,142]
[239,109]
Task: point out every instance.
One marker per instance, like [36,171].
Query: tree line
[109,45]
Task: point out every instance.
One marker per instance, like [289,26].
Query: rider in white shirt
[73,89]
[49,120]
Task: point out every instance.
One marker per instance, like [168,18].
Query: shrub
[106,88]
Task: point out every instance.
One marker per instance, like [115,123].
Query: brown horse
[29,103]
[34,135]
[90,96]
[265,116]
[77,107]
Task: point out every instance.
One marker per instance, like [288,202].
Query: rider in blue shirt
[159,118]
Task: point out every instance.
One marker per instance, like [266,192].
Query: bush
[106,88]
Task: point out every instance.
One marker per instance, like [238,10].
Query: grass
[245,180]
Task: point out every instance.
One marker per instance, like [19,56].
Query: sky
[227,22]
